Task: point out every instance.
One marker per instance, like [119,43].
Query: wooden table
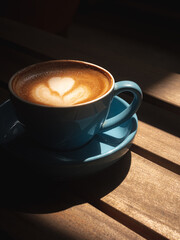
[136,198]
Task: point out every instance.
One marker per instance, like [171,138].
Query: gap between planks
[127,221]
[147,198]
[161,161]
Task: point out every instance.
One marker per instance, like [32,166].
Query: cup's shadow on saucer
[24,189]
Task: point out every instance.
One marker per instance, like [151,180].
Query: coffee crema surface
[67,86]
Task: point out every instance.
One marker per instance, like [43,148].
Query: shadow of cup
[27,191]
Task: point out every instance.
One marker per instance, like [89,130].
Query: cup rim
[62,60]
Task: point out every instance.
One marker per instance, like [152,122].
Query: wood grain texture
[79,222]
[123,65]
[158,142]
[160,118]
[150,194]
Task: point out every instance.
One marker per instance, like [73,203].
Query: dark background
[153,21]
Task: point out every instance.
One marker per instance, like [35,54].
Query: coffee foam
[65,87]
[60,92]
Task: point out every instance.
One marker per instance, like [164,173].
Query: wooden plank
[78,222]
[122,65]
[160,143]
[159,117]
[149,194]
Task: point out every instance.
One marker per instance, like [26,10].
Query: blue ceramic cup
[67,128]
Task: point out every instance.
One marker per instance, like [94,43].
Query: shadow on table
[28,191]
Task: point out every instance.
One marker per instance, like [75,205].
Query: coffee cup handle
[124,86]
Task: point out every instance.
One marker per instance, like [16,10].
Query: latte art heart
[60,92]
[62,85]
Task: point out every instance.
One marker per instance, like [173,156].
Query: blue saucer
[105,149]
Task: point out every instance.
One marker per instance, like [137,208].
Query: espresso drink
[61,84]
